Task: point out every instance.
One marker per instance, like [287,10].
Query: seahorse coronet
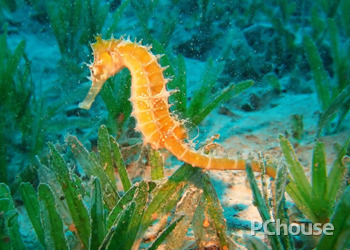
[150,100]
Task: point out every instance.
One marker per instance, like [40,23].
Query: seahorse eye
[95,71]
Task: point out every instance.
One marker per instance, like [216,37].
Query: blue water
[295,52]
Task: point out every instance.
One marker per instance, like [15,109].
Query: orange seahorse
[149,97]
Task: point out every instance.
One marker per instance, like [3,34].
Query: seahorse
[149,98]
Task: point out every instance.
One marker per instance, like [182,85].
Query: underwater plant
[316,199]
[70,211]
[20,106]
[26,117]
[10,236]
[332,96]
[75,24]
[327,201]
[330,32]
[4,6]
[11,5]
[76,21]
[276,210]
[297,126]
[323,48]
[340,220]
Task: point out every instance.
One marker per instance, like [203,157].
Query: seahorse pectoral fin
[90,97]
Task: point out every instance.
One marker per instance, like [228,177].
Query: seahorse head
[107,63]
